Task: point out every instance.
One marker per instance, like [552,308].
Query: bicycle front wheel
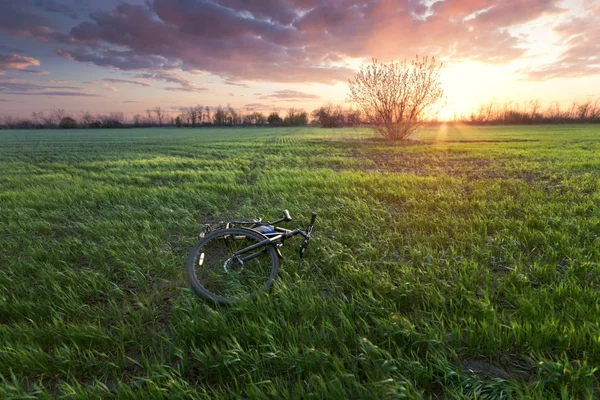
[217,274]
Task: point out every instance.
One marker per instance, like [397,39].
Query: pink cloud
[15,61]
[581,35]
[298,40]
[290,95]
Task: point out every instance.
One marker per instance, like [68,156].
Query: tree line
[326,116]
[532,112]
[189,117]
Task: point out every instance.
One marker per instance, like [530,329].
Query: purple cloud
[235,83]
[127,81]
[21,18]
[15,61]
[12,86]
[54,6]
[298,40]
[290,95]
[185,89]
[257,106]
[55,93]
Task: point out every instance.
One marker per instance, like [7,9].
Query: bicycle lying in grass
[236,260]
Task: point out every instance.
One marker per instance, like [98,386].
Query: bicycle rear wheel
[216,274]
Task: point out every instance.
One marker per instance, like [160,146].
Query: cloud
[288,40]
[186,84]
[582,57]
[2,100]
[12,86]
[55,93]
[235,83]
[290,95]
[185,89]
[21,18]
[15,61]
[102,85]
[299,40]
[122,59]
[54,6]
[257,106]
[126,81]
[130,101]
[34,72]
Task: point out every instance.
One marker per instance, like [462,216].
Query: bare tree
[37,119]
[195,115]
[150,117]
[137,120]
[234,118]
[207,114]
[10,122]
[87,119]
[396,98]
[159,115]
[594,113]
[51,120]
[534,109]
[583,109]
[117,117]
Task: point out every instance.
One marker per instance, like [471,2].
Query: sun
[468,84]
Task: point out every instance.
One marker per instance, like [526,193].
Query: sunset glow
[104,56]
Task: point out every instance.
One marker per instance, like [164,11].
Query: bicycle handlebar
[286,215]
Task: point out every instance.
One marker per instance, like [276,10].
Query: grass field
[465,265]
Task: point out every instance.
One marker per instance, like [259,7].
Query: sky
[127,56]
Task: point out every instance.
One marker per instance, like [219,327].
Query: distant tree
[178,122]
[193,116]
[106,121]
[255,118]
[53,119]
[259,118]
[137,120]
[207,114]
[67,123]
[583,109]
[274,119]
[37,119]
[219,116]
[329,116]
[353,117]
[150,117]
[10,122]
[395,99]
[533,108]
[159,115]
[234,116]
[594,114]
[87,119]
[247,120]
[117,116]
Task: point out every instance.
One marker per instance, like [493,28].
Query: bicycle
[238,259]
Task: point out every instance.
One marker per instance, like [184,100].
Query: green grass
[465,265]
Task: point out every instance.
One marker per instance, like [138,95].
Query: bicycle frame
[279,237]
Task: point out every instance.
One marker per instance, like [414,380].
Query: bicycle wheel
[216,274]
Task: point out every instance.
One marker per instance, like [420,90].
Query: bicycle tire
[207,273]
